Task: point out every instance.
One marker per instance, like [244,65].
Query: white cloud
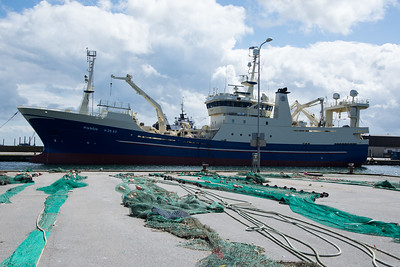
[51,95]
[105,5]
[62,30]
[150,70]
[328,67]
[189,25]
[179,48]
[225,75]
[325,68]
[337,16]
[43,47]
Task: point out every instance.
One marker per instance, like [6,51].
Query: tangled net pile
[166,211]
[25,178]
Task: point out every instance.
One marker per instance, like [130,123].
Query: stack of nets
[19,178]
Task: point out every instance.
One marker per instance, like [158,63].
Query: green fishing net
[19,178]
[30,250]
[303,203]
[25,178]
[167,211]
[319,177]
[5,198]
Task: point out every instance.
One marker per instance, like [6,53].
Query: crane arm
[297,108]
[313,102]
[310,117]
[162,120]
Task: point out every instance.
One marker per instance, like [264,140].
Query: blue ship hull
[73,142]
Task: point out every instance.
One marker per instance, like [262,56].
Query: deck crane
[298,108]
[162,120]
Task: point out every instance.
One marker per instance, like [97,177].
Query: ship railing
[106,105]
[348,102]
[114,105]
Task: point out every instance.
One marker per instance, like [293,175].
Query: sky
[184,50]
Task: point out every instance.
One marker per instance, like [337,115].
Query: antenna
[235,86]
[225,85]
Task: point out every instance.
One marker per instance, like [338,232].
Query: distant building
[383,146]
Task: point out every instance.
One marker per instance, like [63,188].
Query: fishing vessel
[243,126]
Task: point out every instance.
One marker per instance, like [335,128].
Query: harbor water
[365,169]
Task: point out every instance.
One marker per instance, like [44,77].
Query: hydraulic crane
[162,120]
[298,108]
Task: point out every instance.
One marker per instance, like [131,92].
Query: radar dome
[336,96]
[353,93]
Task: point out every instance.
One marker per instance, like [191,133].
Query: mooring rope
[9,119]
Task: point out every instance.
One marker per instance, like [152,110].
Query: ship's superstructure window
[266,107]
[228,103]
[240,104]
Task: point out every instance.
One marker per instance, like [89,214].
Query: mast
[251,82]
[84,109]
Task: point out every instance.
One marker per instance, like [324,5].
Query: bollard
[205,165]
[351,168]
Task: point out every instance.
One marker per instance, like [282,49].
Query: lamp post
[258,116]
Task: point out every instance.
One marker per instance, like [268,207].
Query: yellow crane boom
[162,120]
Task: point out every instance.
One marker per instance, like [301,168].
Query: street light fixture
[258,116]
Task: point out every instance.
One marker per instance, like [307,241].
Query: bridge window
[228,103]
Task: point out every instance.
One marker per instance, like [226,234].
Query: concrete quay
[19,153]
[94,229]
